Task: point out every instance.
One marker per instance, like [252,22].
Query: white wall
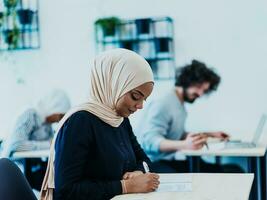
[229,35]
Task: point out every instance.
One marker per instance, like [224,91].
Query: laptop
[255,140]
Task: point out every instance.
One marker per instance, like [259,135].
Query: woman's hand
[129,175]
[142,183]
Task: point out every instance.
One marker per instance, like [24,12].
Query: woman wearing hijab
[95,154]
[33,131]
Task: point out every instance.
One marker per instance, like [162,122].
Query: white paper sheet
[175,183]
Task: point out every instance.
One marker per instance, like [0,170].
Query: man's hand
[129,175]
[219,134]
[195,141]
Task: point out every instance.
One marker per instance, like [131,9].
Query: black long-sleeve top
[92,156]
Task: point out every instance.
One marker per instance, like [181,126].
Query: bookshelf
[19,25]
[150,37]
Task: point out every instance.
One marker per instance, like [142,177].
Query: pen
[206,144]
[146,168]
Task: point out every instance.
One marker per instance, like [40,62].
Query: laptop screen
[259,129]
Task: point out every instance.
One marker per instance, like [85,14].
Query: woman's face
[133,100]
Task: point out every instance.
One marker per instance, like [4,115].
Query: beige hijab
[115,72]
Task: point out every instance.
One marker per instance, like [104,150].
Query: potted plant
[12,37]
[25,16]
[108,25]
[10,3]
[127,44]
[143,25]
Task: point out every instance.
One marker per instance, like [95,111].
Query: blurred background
[230,36]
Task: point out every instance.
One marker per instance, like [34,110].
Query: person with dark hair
[196,74]
[163,128]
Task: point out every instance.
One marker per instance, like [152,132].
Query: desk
[27,155]
[205,187]
[31,154]
[256,164]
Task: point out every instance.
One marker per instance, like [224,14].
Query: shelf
[19,29]
[133,40]
[153,20]
[23,30]
[158,59]
[21,49]
[152,38]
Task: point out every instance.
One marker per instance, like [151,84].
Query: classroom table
[31,154]
[205,186]
[256,160]
[27,155]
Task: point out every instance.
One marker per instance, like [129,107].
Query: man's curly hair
[196,73]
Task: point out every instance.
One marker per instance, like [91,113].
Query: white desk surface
[253,152]
[242,152]
[205,187]
[32,154]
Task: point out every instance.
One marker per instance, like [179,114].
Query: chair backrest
[13,184]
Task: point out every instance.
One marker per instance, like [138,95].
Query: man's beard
[187,99]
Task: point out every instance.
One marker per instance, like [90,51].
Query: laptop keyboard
[239,145]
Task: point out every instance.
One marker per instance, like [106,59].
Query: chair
[13,184]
